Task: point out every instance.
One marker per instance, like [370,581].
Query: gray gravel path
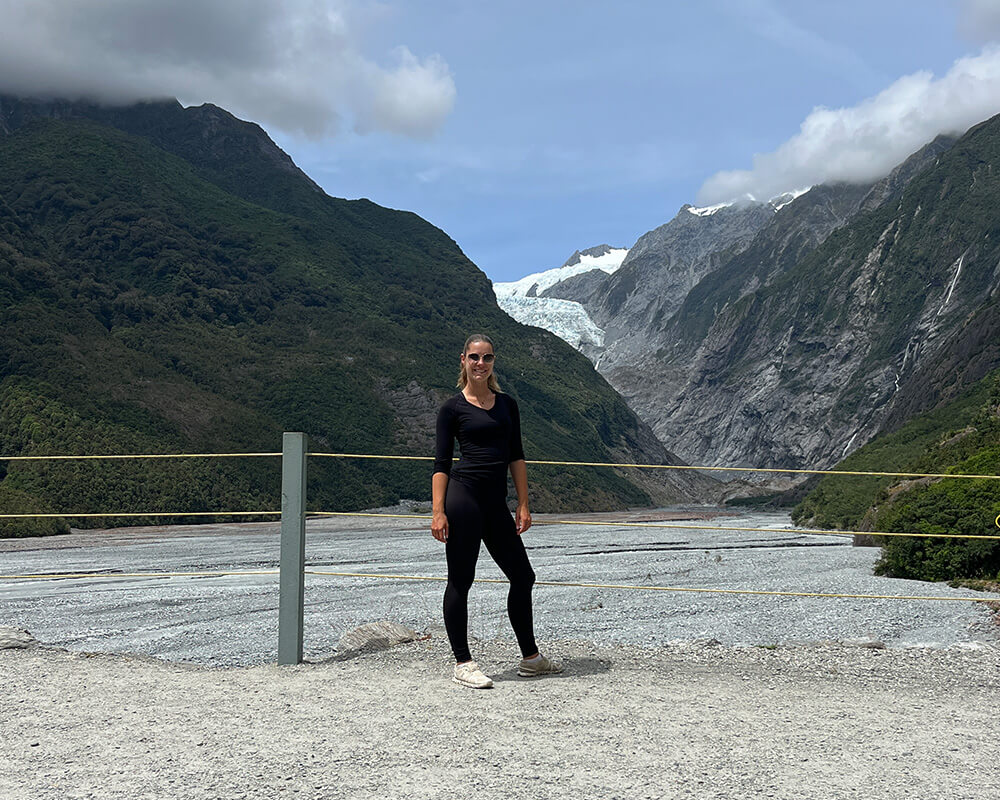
[648,706]
[622,722]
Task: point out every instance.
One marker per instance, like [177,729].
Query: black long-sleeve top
[488,441]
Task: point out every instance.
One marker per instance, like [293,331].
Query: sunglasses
[474,358]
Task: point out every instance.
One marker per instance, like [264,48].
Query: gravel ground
[650,705]
[622,722]
[232,620]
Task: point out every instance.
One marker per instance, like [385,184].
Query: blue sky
[581,123]
[527,130]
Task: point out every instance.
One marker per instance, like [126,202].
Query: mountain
[171,281]
[795,351]
[537,300]
[605,305]
[787,334]
[663,266]
[961,436]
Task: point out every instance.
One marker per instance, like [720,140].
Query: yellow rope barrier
[633,587]
[437,578]
[145,514]
[365,514]
[810,532]
[138,455]
[616,465]
[564,584]
[677,526]
[370,455]
[80,575]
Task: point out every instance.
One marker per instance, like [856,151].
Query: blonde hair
[463,379]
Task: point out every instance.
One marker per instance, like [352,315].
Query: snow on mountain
[567,319]
[608,262]
[783,200]
[777,202]
[707,211]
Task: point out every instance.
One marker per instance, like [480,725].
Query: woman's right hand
[439,526]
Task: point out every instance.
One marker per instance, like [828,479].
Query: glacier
[567,319]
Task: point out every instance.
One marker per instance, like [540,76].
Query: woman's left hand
[522,518]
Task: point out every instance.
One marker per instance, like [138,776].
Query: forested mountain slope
[170,281]
[961,436]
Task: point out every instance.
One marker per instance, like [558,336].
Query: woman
[470,506]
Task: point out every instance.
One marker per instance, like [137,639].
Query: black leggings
[472,519]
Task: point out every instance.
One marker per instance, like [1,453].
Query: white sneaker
[469,674]
[540,665]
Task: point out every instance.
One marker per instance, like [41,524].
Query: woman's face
[477,361]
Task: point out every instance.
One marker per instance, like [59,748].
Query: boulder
[16,639]
[865,642]
[374,636]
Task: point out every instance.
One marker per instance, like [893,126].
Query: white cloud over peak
[296,65]
[866,141]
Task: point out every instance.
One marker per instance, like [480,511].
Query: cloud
[294,64]
[410,99]
[979,20]
[865,142]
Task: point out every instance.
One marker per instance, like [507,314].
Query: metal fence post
[293,547]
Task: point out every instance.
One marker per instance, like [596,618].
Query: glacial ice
[567,319]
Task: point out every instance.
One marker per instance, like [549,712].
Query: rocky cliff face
[660,270]
[798,350]
[787,334]
[579,288]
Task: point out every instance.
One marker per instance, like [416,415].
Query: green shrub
[960,437]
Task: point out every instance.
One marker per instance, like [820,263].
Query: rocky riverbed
[219,619]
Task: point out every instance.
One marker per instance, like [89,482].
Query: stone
[970,646]
[16,639]
[375,636]
[865,642]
